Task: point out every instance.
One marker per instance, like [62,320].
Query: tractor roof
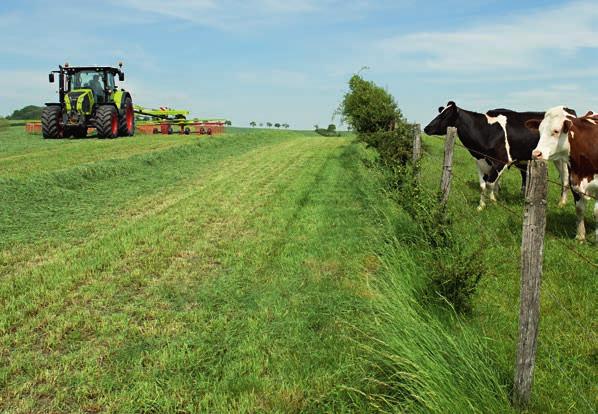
[74,69]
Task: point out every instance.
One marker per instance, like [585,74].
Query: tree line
[253,124]
[29,112]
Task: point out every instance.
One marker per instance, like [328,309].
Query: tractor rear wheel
[126,123]
[107,121]
[51,118]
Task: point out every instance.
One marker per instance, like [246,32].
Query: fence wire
[584,331]
[458,144]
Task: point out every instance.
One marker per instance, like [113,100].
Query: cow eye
[556,132]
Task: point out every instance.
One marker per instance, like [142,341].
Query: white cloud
[519,42]
[235,15]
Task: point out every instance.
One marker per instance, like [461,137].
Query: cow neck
[583,142]
[469,125]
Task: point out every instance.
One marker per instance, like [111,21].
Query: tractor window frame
[110,85]
[84,77]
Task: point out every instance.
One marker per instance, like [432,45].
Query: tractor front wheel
[107,122]
[51,122]
[126,123]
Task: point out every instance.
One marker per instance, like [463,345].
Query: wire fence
[486,156]
[585,331]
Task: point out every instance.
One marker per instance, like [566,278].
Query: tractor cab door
[110,82]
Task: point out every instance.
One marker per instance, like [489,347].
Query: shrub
[327,133]
[368,108]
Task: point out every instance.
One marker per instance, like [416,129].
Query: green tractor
[89,98]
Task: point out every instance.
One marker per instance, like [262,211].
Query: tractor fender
[119,99]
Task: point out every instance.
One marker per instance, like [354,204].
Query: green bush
[327,133]
[369,108]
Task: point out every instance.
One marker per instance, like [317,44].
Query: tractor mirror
[51,77]
[121,77]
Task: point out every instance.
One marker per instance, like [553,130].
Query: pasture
[264,271]
[566,368]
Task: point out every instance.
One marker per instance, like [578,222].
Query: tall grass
[418,356]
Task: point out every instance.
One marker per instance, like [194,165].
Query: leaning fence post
[447,166]
[417,143]
[532,253]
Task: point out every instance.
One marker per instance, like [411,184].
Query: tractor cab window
[91,80]
[110,82]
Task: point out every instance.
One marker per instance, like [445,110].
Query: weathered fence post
[417,143]
[532,254]
[447,166]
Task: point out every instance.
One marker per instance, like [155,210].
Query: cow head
[446,118]
[554,134]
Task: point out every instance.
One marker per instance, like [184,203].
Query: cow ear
[571,111]
[566,126]
[533,124]
[440,109]
[451,103]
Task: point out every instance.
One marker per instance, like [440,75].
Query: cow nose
[537,154]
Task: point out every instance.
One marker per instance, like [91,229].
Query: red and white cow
[565,137]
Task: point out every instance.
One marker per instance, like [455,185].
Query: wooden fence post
[447,166]
[532,254]
[417,143]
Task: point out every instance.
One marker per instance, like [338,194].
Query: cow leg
[564,175]
[492,189]
[492,181]
[481,171]
[580,208]
[596,219]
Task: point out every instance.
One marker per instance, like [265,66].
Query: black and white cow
[497,140]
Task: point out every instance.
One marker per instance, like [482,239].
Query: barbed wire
[482,154]
[588,333]
[551,237]
[517,215]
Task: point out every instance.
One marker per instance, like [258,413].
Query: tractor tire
[51,122]
[126,122]
[187,131]
[107,121]
[170,130]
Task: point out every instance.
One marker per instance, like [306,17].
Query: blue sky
[289,61]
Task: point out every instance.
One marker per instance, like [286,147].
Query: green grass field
[261,271]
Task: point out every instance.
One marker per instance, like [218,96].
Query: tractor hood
[80,100]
